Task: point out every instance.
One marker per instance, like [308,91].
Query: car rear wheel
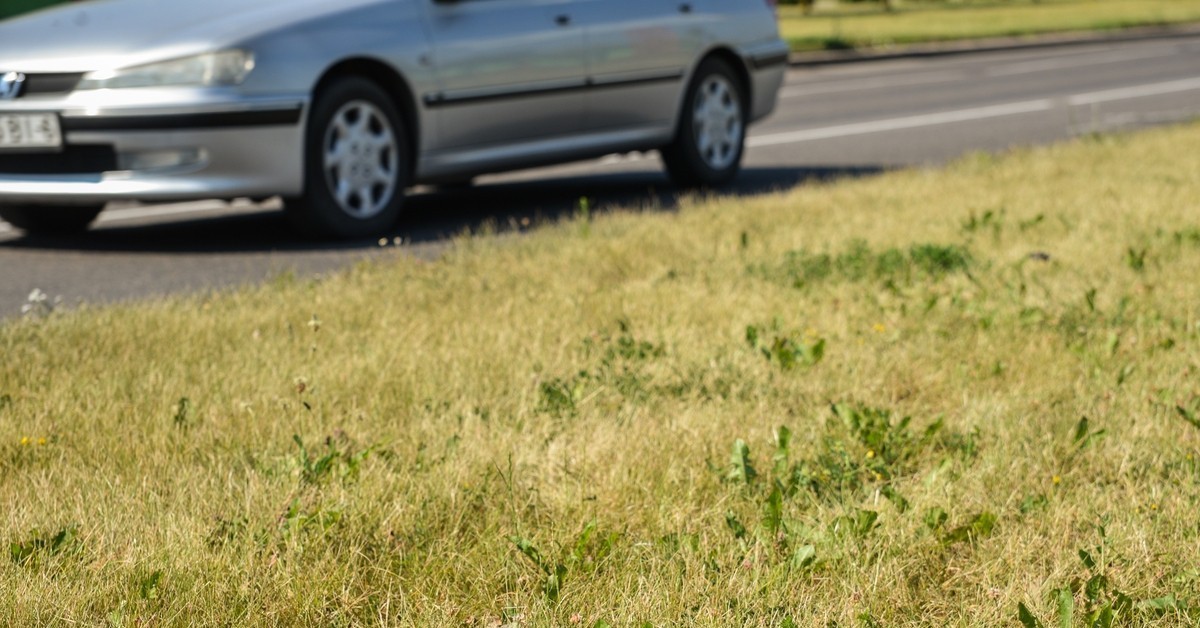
[50,219]
[356,163]
[708,145]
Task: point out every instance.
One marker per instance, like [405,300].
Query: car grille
[72,160]
[47,84]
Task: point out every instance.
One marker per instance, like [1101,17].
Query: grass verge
[842,26]
[955,397]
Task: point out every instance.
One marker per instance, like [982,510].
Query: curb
[994,44]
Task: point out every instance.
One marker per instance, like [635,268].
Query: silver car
[338,106]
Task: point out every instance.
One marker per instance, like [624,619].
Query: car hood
[110,34]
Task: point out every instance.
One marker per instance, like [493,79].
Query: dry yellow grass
[397,444]
[840,25]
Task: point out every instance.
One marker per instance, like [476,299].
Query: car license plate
[30,130]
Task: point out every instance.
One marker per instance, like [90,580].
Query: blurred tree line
[10,8]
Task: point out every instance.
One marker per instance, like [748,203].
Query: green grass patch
[952,397]
[843,25]
[858,262]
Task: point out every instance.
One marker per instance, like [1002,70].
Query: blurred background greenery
[849,24]
[9,8]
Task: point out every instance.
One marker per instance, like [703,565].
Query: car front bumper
[159,145]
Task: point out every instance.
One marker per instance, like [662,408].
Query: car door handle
[563,20]
[685,8]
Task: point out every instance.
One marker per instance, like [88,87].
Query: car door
[508,71]
[638,54]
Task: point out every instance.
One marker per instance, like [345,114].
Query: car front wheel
[50,220]
[708,145]
[356,163]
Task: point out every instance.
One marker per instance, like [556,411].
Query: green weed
[1086,437]
[149,586]
[340,460]
[561,397]
[616,361]
[183,409]
[859,262]
[1188,237]
[1100,604]
[1190,412]
[989,220]
[786,350]
[585,556]
[1135,258]
[296,521]
[1026,225]
[1033,503]
[225,531]
[879,448]
[41,546]
[740,468]
[863,447]
[978,527]
[859,524]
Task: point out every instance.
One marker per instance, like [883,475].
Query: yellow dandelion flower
[879,328]
[1057,480]
[42,441]
[870,454]
[1153,506]
[25,441]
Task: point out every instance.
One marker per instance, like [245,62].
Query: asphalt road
[833,121]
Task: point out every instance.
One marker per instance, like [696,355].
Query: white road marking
[799,88]
[837,87]
[976,113]
[1046,65]
[897,124]
[1136,91]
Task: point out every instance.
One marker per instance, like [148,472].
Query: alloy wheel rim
[361,159]
[717,121]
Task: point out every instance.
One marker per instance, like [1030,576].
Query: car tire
[50,219]
[356,163]
[710,140]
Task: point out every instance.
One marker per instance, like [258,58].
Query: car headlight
[227,67]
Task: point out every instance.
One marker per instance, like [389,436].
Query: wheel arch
[391,81]
[735,61]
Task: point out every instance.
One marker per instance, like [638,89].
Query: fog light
[161,159]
